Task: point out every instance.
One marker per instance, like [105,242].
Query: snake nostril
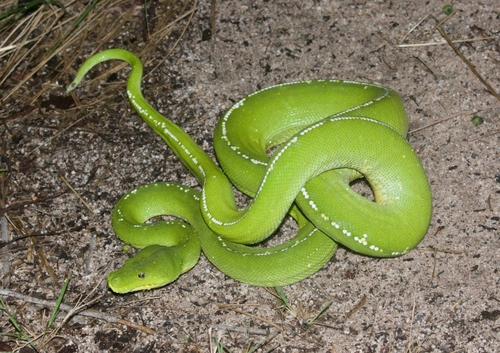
[141,275]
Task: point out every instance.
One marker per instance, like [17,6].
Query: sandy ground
[441,297]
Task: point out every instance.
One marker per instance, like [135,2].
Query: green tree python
[323,134]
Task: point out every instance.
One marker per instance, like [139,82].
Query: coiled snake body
[326,134]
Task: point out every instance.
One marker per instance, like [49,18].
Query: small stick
[467,62]
[454,252]
[436,122]
[249,330]
[358,306]
[57,134]
[77,194]
[88,312]
[4,230]
[444,42]
[228,307]
[212,19]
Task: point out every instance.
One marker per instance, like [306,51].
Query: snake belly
[325,135]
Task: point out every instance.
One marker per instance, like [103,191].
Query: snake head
[152,267]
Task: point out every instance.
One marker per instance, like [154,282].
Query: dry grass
[39,49]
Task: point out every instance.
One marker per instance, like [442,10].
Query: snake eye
[141,275]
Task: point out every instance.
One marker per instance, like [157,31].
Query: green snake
[294,148]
